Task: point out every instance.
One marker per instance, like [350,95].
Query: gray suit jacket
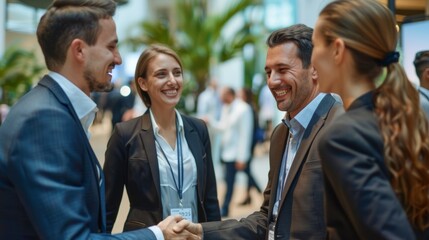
[301,214]
[49,176]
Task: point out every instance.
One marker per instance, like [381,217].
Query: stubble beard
[96,86]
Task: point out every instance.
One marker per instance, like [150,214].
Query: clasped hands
[177,228]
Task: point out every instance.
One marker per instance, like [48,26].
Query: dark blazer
[49,181]
[131,161]
[301,210]
[360,203]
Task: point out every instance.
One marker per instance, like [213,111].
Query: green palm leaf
[197,37]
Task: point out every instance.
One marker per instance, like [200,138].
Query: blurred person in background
[138,108]
[209,103]
[375,157]
[209,107]
[246,95]
[118,104]
[236,129]
[421,64]
[267,110]
[163,157]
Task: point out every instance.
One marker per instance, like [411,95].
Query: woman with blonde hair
[375,157]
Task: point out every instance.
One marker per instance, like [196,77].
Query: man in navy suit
[51,184]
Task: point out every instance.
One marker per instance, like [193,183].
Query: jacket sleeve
[253,226]
[115,167]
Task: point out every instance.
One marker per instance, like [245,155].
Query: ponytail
[404,129]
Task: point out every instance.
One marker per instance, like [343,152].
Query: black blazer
[131,161]
[301,209]
[360,203]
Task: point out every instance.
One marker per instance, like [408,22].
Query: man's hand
[168,229]
[194,228]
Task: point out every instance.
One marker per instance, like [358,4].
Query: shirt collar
[424,90]
[156,127]
[83,105]
[302,119]
[81,102]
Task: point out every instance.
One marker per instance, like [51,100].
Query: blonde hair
[369,30]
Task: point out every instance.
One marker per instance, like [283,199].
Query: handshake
[177,228]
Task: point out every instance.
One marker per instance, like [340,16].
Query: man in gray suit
[51,184]
[293,199]
[421,64]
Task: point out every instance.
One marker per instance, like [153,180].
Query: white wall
[127,16]
[308,11]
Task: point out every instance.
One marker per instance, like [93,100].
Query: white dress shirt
[83,105]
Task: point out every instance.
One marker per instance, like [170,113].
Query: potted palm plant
[197,37]
[18,69]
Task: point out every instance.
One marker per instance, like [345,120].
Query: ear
[339,48]
[77,49]
[314,74]
[142,83]
[425,74]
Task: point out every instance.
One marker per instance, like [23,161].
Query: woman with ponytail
[375,157]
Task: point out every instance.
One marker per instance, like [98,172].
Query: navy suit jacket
[51,184]
[131,161]
[301,211]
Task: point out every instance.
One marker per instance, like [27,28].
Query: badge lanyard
[179,182]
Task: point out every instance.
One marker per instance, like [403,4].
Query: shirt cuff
[157,231]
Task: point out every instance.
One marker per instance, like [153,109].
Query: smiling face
[102,57]
[292,86]
[163,82]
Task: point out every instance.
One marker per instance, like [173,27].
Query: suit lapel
[59,93]
[316,123]
[148,139]
[277,146]
[194,144]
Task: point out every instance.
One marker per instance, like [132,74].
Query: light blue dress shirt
[169,191]
[297,126]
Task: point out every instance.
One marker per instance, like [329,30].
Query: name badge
[271,228]
[186,213]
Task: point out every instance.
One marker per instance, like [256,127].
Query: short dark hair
[421,62]
[66,20]
[299,34]
[230,91]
